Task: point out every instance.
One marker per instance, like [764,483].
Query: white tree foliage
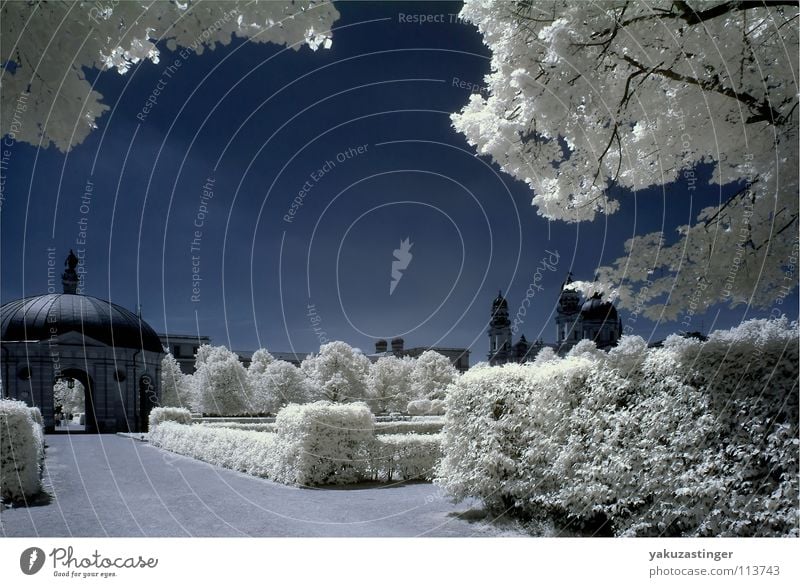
[45,95]
[262,399]
[283,384]
[389,386]
[176,386]
[589,95]
[71,401]
[221,386]
[431,375]
[338,373]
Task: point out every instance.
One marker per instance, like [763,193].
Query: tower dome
[595,308]
[499,302]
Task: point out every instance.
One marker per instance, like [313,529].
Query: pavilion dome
[32,319]
[595,308]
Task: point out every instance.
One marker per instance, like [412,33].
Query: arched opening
[69,405]
[89,417]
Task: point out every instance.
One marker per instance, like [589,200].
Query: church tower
[568,317]
[499,332]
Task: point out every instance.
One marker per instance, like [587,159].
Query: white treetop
[221,385]
[432,373]
[338,373]
[283,384]
[45,95]
[586,95]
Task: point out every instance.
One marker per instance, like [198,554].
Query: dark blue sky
[259,120]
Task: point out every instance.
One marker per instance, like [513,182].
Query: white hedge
[21,451]
[410,427]
[323,443]
[159,415]
[254,426]
[405,456]
[694,438]
[314,444]
[241,450]
[36,414]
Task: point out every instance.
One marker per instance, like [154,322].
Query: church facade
[577,319]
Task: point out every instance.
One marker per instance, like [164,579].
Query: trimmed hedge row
[313,444]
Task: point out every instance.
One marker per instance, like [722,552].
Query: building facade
[459,357]
[577,319]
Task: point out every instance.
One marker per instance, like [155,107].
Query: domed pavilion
[111,351]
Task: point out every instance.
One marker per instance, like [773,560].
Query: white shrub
[221,383]
[405,456]
[437,408]
[338,373]
[176,387]
[588,350]
[547,354]
[36,414]
[159,415]
[21,451]
[431,376]
[323,443]
[389,384]
[419,407]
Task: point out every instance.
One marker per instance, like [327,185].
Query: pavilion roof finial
[69,278]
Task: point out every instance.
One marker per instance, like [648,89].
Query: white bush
[419,407]
[159,415]
[432,374]
[437,408]
[21,451]
[338,373]
[424,407]
[323,443]
[689,439]
[405,456]
[36,414]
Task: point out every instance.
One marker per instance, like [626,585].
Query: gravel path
[107,485]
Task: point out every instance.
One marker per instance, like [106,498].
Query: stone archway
[88,387]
